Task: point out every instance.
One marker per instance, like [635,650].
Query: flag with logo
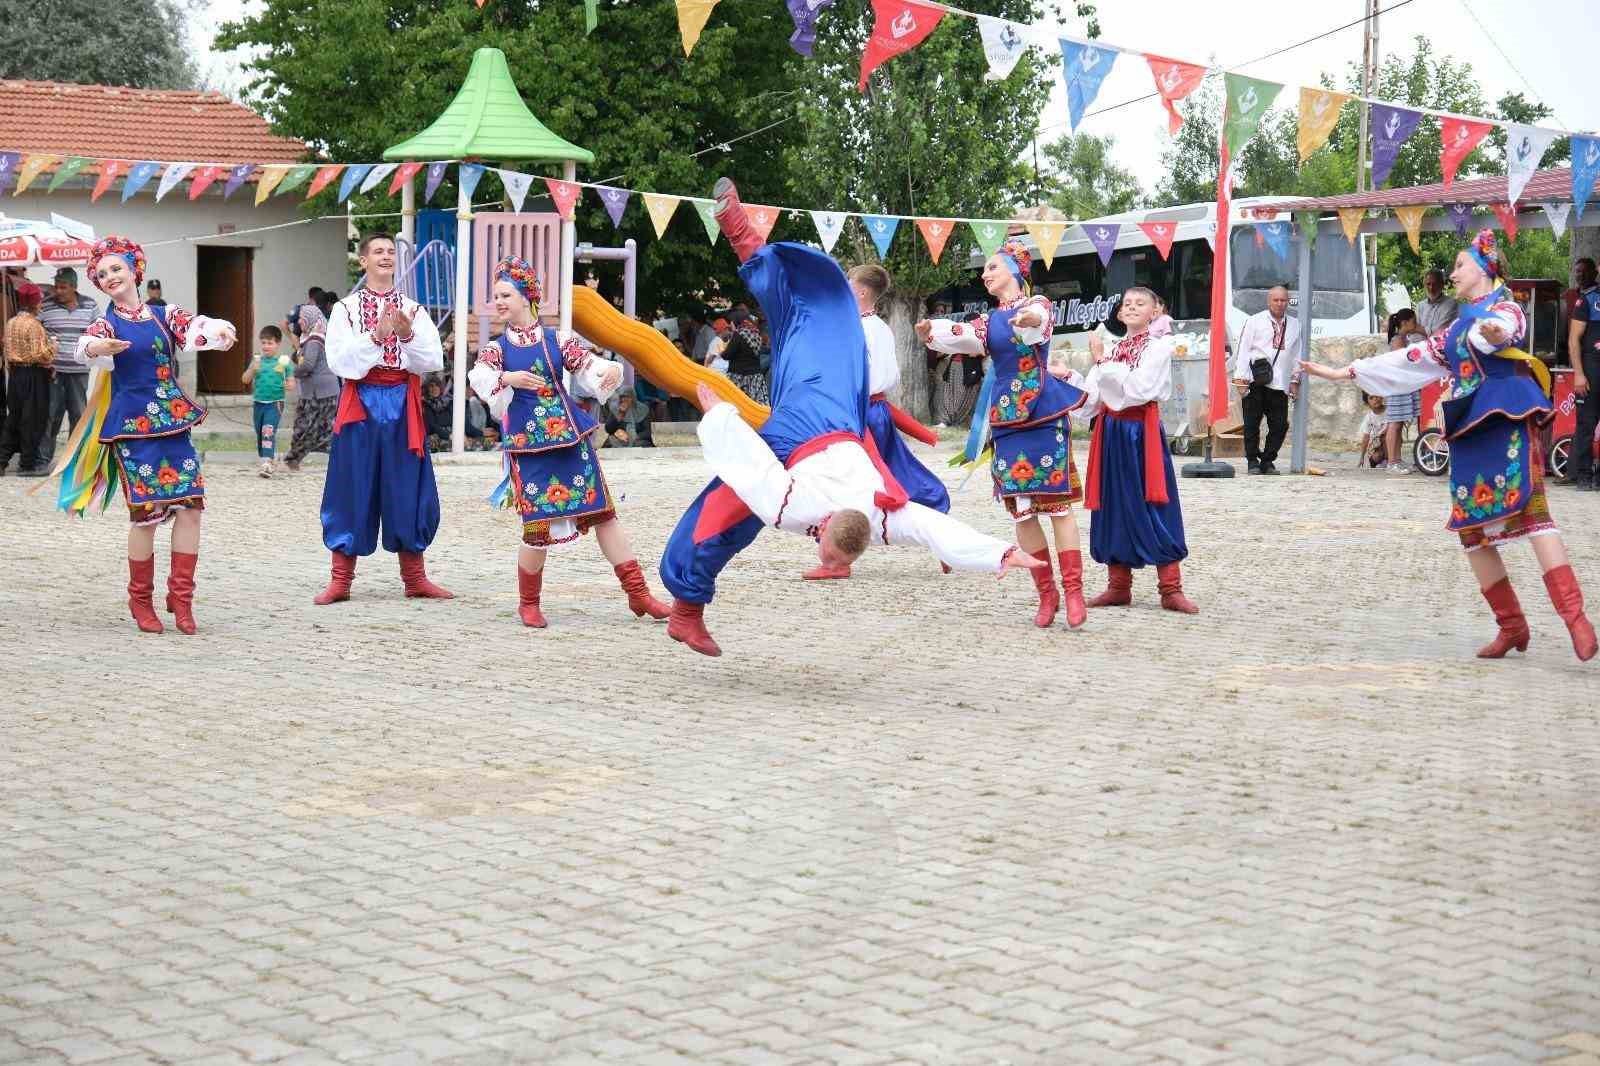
[1276,236]
[1084,67]
[516,185]
[469,175]
[615,201]
[707,212]
[170,178]
[1525,146]
[1507,214]
[203,178]
[354,176]
[1411,218]
[436,173]
[805,14]
[1248,100]
[1319,115]
[1460,217]
[989,235]
[32,165]
[829,225]
[324,178]
[564,194]
[1391,127]
[935,232]
[1585,169]
[660,209]
[110,171]
[376,175]
[8,167]
[1160,234]
[1350,221]
[692,16]
[269,179]
[1174,81]
[138,177]
[898,26]
[881,229]
[1003,45]
[69,168]
[296,178]
[1457,138]
[1047,238]
[1557,214]
[405,173]
[762,218]
[1103,235]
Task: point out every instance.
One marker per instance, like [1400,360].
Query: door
[224,288]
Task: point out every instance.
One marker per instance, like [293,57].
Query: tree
[139,44]
[1084,182]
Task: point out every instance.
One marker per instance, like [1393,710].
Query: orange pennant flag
[762,218]
[1319,114]
[324,176]
[1174,81]
[935,231]
[110,171]
[1350,218]
[32,166]
[1411,219]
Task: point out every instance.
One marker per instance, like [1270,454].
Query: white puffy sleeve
[1509,317]
[744,462]
[99,329]
[883,367]
[423,353]
[196,333]
[589,371]
[350,352]
[959,338]
[1035,334]
[955,543]
[484,377]
[1404,369]
[1121,386]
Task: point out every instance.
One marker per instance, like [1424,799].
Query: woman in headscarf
[317,385]
[554,478]
[1498,397]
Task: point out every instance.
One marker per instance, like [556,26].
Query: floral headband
[1486,252]
[520,273]
[1019,260]
[129,251]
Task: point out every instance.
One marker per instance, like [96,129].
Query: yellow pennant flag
[692,15]
[661,209]
[1319,113]
[269,178]
[31,166]
[1411,219]
[1350,218]
[1047,238]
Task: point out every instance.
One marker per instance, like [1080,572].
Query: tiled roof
[162,124]
[1546,186]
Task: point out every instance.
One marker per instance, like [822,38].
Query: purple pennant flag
[1460,217]
[1103,235]
[237,177]
[805,14]
[8,168]
[435,176]
[1390,128]
[616,201]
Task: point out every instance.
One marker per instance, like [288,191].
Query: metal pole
[630,273]
[458,395]
[1302,403]
[408,212]
[569,239]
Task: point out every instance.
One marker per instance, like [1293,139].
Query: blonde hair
[850,532]
[873,277]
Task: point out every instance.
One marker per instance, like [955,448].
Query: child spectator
[269,371]
[1372,446]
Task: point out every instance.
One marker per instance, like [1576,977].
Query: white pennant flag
[170,177]
[1525,146]
[1003,44]
[829,225]
[377,174]
[1557,214]
[516,186]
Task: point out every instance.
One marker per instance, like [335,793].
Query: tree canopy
[142,47]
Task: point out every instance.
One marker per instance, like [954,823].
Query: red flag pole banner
[1218,378]
[898,26]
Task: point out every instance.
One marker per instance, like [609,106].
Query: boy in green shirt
[270,372]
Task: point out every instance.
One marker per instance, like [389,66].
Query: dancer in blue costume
[553,467]
[1025,409]
[811,468]
[136,430]
[1498,399]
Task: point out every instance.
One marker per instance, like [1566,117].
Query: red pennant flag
[404,173]
[324,176]
[935,231]
[1160,234]
[565,194]
[1507,214]
[1174,81]
[1459,136]
[898,26]
[762,218]
[110,171]
[203,177]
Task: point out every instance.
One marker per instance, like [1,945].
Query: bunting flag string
[297,176]
[354,176]
[139,177]
[468,175]
[237,177]
[436,173]
[1557,214]
[1003,45]
[271,176]
[375,176]
[516,185]
[403,173]
[1247,101]
[32,166]
[616,201]
[1276,237]
[1525,146]
[564,194]
[8,167]
[988,234]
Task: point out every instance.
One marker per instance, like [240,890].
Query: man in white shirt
[1436,312]
[1264,373]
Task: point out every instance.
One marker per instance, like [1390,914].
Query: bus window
[1338,290]
[1192,287]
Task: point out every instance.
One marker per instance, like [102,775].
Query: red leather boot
[1169,582]
[141,585]
[640,602]
[687,626]
[415,576]
[1508,614]
[528,588]
[344,572]
[734,222]
[1072,587]
[180,591]
[1044,579]
[1119,587]
[1562,584]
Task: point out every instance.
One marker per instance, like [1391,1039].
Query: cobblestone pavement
[893,824]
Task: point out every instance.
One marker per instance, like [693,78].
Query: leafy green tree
[138,44]
[1084,182]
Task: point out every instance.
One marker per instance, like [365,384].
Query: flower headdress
[131,252]
[1486,251]
[1018,259]
[520,273]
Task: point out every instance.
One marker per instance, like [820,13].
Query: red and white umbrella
[24,242]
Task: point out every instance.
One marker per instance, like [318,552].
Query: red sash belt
[905,423]
[351,409]
[1155,472]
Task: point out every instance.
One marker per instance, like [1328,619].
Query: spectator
[1438,310]
[28,353]
[957,379]
[721,333]
[1372,450]
[268,374]
[1583,344]
[701,336]
[1264,373]
[1406,406]
[152,293]
[290,326]
[65,314]
[1583,277]
[627,420]
[742,350]
[317,385]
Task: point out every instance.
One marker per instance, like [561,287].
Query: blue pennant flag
[1276,234]
[354,175]
[138,177]
[1585,168]
[469,176]
[881,228]
[1084,66]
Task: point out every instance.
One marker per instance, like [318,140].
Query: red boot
[528,589]
[1044,579]
[141,585]
[415,576]
[687,626]
[1119,587]
[1508,613]
[1562,585]
[735,224]
[344,572]
[640,602]
[180,591]
[1169,582]
[1072,587]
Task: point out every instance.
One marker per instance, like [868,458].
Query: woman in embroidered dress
[1492,419]
[555,480]
[1033,471]
[139,435]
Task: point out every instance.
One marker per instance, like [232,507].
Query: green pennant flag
[704,209]
[989,235]
[1248,100]
[1307,221]
[73,164]
[295,178]
[591,16]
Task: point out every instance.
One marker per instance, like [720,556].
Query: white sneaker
[1398,468]
[266,468]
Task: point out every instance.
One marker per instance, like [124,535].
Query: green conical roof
[488,120]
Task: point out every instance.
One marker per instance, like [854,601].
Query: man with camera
[1264,373]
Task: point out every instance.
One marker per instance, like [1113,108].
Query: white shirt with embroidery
[1417,365]
[970,338]
[353,351]
[1136,371]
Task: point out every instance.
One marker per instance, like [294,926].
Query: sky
[1550,42]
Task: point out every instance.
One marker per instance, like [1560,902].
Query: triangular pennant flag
[517,185]
[1174,81]
[271,176]
[1557,214]
[1411,218]
[1103,235]
[989,235]
[8,167]
[1585,169]
[1306,221]
[1276,237]
[805,14]
[1160,234]
[170,177]
[591,16]
[1391,127]
[296,178]
[139,176]
[1507,214]
[829,225]
[1525,147]
[692,16]
[935,231]
[898,26]
[1457,138]
[616,201]
[67,169]
[762,218]
[881,229]
[1460,217]
[469,174]
[110,171]
[406,172]
[436,172]
[378,172]
[564,194]
[1047,238]
[1084,67]
[708,218]
[237,177]
[1248,100]
[32,164]
[660,209]
[1003,45]
[1319,114]
[204,177]
[355,174]
[325,175]
[1350,219]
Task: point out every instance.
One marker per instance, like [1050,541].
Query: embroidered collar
[1129,350]
[137,313]
[523,335]
[1016,301]
[869,314]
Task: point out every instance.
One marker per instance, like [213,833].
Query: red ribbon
[905,423]
[1155,472]
[351,409]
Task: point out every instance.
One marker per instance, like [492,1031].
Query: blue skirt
[159,475]
[1128,530]
[921,484]
[1035,461]
[556,484]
